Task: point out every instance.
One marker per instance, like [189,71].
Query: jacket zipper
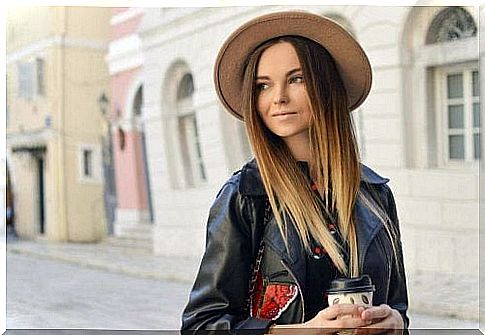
[299,289]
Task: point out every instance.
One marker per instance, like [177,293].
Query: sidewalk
[439,296]
[113,257]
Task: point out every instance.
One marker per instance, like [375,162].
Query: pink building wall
[132,191]
[130,180]
[126,28]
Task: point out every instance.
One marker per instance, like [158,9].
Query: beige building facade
[56,73]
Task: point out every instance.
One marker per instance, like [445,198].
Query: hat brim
[351,60]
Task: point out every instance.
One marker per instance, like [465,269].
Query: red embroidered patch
[277,297]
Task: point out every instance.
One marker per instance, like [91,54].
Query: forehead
[281,56]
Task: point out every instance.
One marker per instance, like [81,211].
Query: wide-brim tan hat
[351,60]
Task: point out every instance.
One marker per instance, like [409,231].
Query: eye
[297,79]
[261,86]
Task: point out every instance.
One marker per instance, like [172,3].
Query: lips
[283,113]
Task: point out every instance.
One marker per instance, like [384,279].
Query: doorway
[40,162]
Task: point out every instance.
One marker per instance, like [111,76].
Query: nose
[281,96]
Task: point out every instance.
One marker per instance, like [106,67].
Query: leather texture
[219,299]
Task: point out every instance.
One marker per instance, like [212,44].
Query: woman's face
[281,97]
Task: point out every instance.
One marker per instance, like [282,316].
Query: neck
[299,147]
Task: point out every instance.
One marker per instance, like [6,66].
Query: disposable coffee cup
[357,290]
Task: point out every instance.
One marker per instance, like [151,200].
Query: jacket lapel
[294,256]
[367,223]
[367,226]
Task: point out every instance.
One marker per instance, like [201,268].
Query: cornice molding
[126,15]
[124,54]
[55,41]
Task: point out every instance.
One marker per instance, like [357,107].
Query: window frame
[195,174]
[40,79]
[442,102]
[34,80]
[96,164]
[25,80]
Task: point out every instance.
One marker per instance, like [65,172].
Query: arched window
[451,24]
[457,90]
[193,165]
[138,102]
[442,79]
[186,87]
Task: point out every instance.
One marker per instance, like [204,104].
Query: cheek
[262,105]
[308,107]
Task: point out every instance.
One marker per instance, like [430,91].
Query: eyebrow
[289,73]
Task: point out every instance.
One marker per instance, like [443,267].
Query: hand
[327,321]
[383,319]
[336,317]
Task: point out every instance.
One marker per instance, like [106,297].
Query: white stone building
[419,125]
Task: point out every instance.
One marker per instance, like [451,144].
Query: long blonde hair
[334,164]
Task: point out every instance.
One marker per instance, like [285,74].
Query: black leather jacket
[219,297]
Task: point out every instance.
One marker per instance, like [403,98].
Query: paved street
[50,294]
[45,293]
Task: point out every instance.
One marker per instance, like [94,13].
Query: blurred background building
[56,72]
[419,126]
[131,141]
[134,214]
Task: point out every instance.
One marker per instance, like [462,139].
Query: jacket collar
[251,183]
[367,225]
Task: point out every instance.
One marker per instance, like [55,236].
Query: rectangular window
[196,143]
[455,86]
[87,163]
[25,73]
[455,117]
[40,74]
[476,146]
[90,163]
[457,146]
[476,84]
[185,150]
[461,114]
[191,150]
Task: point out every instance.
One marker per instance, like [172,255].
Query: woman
[305,211]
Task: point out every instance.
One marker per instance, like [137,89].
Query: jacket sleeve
[398,293]
[219,297]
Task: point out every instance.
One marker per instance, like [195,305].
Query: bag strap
[259,257]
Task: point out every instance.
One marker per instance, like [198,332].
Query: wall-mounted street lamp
[103,102]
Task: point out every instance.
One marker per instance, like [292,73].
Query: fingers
[378,312]
[346,323]
[369,320]
[343,316]
[335,311]
[391,324]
